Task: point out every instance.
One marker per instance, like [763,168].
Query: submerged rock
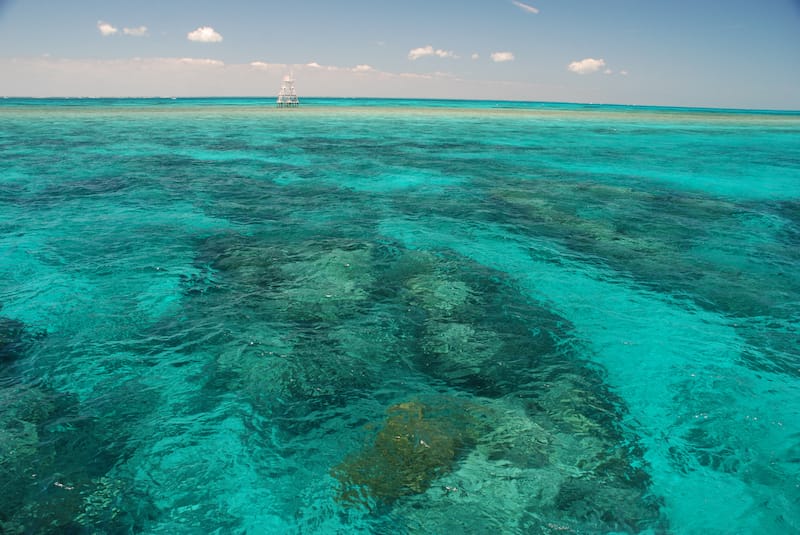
[23,410]
[687,245]
[416,443]
[12,336]
[464,355]
[440,295]
[489,342]
[53,457]
[111,505]
[328,285]
[289,374]
[26,455]
[525,474]
[308,282]
[314,327]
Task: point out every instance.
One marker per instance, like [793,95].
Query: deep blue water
[391,316]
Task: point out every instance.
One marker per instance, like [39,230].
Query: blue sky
[730,53]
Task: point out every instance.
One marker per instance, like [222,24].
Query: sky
[704,53]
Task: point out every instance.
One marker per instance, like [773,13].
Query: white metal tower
[287,98]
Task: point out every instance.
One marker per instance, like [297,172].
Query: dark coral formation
[52,468]
[54,457]
[331,320]
[659,239]
[12,340]
[416,444]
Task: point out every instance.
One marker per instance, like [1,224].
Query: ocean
[400,317]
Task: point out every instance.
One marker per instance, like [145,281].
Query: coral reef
[328,286]
[439,295]
[22,411]
[525,475]
[417,443]
[660,239]
[328,322]
[475,339]
[27,458]
[52,466]
[12,339]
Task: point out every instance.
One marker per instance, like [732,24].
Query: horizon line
[426,99]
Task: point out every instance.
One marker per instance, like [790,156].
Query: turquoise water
[398,317]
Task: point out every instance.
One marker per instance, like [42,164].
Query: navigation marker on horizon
[287,98]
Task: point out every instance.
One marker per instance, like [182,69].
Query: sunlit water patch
[397,317]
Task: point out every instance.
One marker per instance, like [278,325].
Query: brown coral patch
[417,443]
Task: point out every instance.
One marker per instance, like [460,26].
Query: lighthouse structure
[287,98]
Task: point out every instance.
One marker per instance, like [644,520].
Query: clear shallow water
[398,317]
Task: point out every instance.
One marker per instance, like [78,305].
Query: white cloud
[608,71]
[423,51]
[187,77]
[201,62]
[526,7]
[587,65]
[141,31]
[333,68]
[106,29]
[475,56]
[624,73]
[259,65]
[313,66]
[414,76]
[204,34]
[499,57]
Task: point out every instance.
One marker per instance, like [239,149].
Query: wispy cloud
[525,7]
[414,76]
[264,66]
[424,51]
[106,29]
[362,68]
[141,31]
[198,76]
[201,62]
[475,56]
[587,65]
[204,34]
[500,57]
